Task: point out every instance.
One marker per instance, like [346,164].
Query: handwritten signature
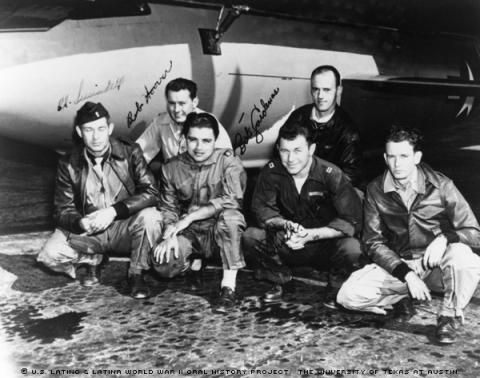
[83,94]
[257,115]
[149,92]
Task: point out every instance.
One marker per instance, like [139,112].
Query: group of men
[413,224]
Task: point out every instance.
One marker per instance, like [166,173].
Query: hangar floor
[49,322]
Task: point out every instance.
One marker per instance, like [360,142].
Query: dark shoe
[138,286]
[195,280]
[330,298]
[275,294]
[447,329]
[404,310]
[226,301]
[91,276]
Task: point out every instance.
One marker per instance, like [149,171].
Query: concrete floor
[50,325]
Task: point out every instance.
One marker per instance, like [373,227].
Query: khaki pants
[222,234]
[133,237]
[372,288]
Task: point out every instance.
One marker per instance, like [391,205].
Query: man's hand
[290,228]
[166,248]
[418,289]
[416,265]
[98,220]
[434,252]
[295,235]
[182,224]
[174,229]
[85,225]
[294,244]
[298,239]
[101,219]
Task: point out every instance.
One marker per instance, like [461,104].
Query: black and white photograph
[252,188]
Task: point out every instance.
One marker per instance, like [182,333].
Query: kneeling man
[308,213]
[104,201]
[200,201]
[418,230]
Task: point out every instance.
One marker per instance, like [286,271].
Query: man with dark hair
[163,138]
[104,201]
[201,200]
[308,213]
[418,230]
[336,136]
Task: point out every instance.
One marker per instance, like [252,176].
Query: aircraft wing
[41,15]
[447,16]
[416,85]
[451,16]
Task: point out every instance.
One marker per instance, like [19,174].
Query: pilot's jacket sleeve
[66,214]
[168,204]
[145,193]
[346,202]
[234,184]
[264,201]
[351,160]
[464,225]
[375,236]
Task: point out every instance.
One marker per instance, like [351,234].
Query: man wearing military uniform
[201,199]
[419,232]
[308,213]
[163,138]
[333,131]
[104,201]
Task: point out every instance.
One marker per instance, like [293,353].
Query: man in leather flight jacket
[418,230]
[104,201]
[336,136]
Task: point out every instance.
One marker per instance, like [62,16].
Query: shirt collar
[93,158]
[210,161]
[417,184]
[314,117]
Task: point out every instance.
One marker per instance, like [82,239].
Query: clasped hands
[98,220]
[296,236]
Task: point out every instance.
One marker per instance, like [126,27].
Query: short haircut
[200,120]
[179,84]
[326,68]
[402,133]
[292,129]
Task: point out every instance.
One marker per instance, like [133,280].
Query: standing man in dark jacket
[308,213]
[418,230]
[104,198]
[336,136]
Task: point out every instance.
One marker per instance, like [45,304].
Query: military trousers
[373,288]
[339,254]
[218,235]
[134,237]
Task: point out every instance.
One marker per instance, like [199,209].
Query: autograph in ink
[257,115]
[149,92]
[83,94]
